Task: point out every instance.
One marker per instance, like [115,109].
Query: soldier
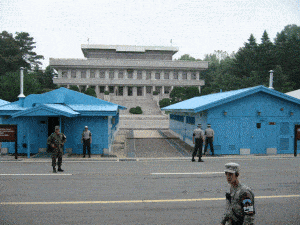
[240,201]
[209,138]
[57,140]
[86,139]
[198,139]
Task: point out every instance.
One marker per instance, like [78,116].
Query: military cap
[232,167]
[208,125]
[199,125]
[86,127]
[57,128]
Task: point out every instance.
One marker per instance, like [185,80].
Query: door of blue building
[258,137]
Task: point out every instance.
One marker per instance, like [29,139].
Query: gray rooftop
[130,48]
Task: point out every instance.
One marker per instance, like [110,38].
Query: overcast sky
[197,27]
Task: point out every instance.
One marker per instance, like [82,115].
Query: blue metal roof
[3,102]
[94,107]
[61,101]
[198,104]
[47,109]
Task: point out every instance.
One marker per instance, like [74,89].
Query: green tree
[246,60]
[16,52]
[10,54]
[187,57]
[287,45]
[165,102]
[91,91]
[74,88]
[179,94]
[10,85]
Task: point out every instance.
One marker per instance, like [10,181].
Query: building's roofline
[128,63]
[130,48]
[198,104]
[56,109]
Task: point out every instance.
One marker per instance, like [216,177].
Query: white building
[122,70]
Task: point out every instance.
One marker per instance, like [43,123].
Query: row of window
[120,74]
[189,119]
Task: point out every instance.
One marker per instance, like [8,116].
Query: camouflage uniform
[239,202]
[57,140]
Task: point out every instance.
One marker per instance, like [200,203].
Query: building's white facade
[128,70]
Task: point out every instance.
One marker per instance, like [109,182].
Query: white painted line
[38,174]
[195,173]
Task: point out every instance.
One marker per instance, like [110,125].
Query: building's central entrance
[52,122]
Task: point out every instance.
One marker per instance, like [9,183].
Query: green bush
[106,92]
[74,88]
[165,102]
[91,91]
[155,92]
[136,110]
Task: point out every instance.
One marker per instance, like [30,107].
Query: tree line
[248,67]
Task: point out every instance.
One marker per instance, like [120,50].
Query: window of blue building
[177,117]
[190,120]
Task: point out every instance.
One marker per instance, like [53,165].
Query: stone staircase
[148,105]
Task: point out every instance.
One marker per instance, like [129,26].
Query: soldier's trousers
[198,147]
[87,145]
[209,140]
[57,155]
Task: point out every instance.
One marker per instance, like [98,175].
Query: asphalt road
[145,192]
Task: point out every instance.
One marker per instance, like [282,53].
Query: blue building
[255,120]
[2,102]
[36,116]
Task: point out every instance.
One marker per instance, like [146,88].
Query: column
[199,89]
[162,90]
[189,75]
[97,90]
[152,75]
[144,74]
[97,75]
[171,89]
[106,88]
[162,75]
[144,91]
[134,91]
[125,91]
[116,91]
[78,74]
[88,74]
[106,75]
[69,74]
[197,75]
[134,75]
[171,77]
[180,75]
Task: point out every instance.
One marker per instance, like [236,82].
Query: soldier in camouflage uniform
[240,201]
[56,141]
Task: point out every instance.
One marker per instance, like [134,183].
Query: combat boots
[60,170]
[54,169]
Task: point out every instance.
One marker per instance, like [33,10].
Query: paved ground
[147,191]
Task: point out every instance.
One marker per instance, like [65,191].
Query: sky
[196,27]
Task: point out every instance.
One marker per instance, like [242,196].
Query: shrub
[136,110]
[155,92]
[165,102]
[106,92]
